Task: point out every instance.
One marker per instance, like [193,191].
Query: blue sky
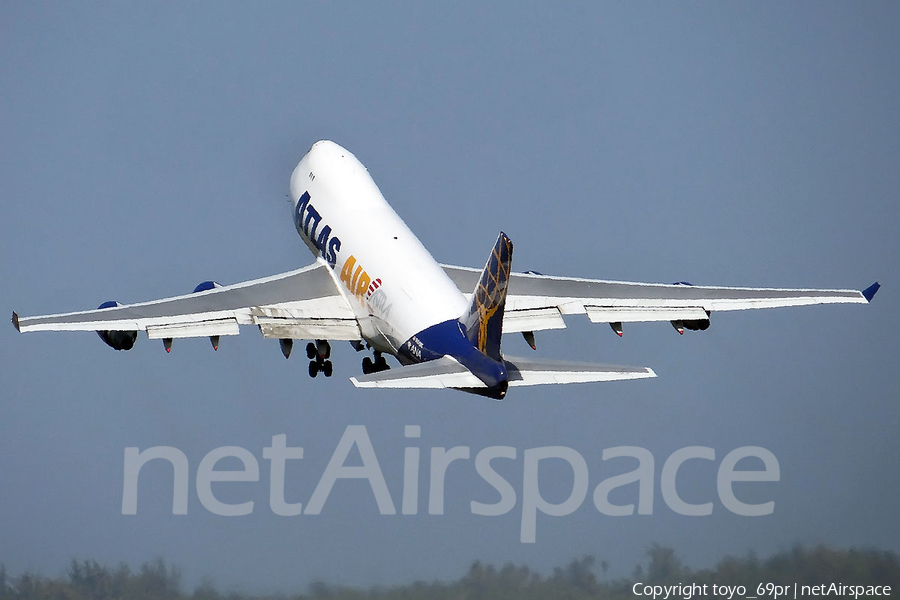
[147,148]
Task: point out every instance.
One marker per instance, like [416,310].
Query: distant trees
[89,580]
[664,565]
[156,580]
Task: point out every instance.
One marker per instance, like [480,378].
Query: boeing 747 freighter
[375,285]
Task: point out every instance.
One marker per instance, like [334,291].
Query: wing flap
[200,329]
[532,319]
[628,314]
[309,329]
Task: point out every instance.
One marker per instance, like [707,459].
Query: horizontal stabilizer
[448,373]
[531,371]
[444,372]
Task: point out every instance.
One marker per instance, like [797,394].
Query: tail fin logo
[484,319]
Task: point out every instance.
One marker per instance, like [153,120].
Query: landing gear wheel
[367,366]
[327,368]
[314,369]
[381,364]
[311,352]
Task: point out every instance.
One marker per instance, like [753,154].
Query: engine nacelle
[117,340]
[692,324]
[696,324]
[207,285]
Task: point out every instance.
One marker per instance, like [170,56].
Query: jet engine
[117,340]
[696,324]
[692,324]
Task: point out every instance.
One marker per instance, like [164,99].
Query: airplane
[375,285]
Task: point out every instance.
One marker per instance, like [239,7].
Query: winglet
[15,321]
[867,293]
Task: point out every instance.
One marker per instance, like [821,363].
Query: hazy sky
[145,148]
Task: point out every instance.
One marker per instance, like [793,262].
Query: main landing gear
[318,354]
[374,366]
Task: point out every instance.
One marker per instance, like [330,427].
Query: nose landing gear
[376,365]
[318,354]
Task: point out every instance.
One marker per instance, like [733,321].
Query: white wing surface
[301,304]
[447,373]
[444,372]
[535,302]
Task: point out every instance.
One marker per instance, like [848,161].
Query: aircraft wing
[535,302]
[301,304]
[446,372]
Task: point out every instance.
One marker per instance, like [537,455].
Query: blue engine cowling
[207,285]
[118,340]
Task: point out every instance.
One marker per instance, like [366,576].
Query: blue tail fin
[484,319]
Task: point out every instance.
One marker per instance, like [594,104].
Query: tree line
[582,579]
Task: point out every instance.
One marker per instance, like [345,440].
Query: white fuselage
[387,276]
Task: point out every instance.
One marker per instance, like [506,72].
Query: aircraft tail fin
[484,319]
